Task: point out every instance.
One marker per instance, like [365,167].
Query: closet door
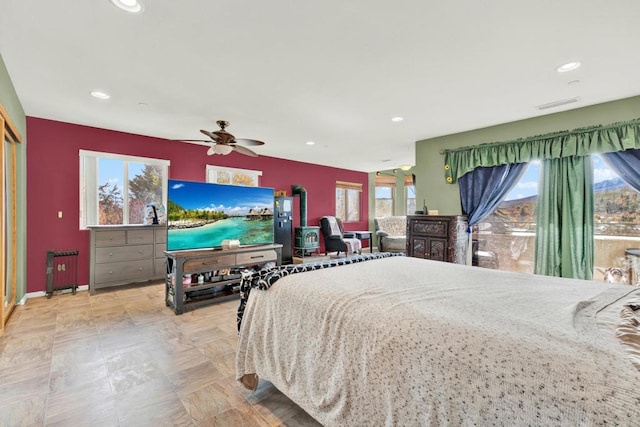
[8,211]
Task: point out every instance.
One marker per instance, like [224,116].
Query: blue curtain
[482,189]
[626,164]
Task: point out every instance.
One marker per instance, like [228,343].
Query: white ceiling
[333,71]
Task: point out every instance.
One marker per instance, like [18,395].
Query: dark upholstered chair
[336,239]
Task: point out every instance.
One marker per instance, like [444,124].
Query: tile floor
[122,358]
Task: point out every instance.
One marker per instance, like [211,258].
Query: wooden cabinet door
[438,249]
[417,246]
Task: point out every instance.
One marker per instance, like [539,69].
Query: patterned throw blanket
[264,278]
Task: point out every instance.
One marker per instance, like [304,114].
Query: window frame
[386,182]
[345,188]
[89,171]
[408,183]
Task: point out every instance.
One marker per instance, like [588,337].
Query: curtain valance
[577,142]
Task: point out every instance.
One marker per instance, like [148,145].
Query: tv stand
[181,296]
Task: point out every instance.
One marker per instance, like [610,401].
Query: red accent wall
[53,181]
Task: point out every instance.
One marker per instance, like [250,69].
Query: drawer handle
[257,256]
[215,261]
[110,253]
[139,268]
[110,272]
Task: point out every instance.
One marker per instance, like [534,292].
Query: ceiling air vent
[555,104]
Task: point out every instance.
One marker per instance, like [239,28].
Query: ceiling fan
[225,143]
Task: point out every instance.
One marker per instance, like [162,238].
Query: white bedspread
[405,341]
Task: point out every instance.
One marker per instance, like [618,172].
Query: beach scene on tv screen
[202,215]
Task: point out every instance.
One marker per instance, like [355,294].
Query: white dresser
[124,254]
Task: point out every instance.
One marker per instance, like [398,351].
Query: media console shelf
[181,296]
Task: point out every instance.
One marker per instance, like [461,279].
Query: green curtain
[578,142]
[564,230]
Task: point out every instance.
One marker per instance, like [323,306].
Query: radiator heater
[62,271]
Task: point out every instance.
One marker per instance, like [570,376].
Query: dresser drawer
[432,228]
[251,258]
[159,251]
[123,253]
[110,238]
[139,237]
[213,262]
[123,271]
[161,235]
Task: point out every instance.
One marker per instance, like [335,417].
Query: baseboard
[39,294]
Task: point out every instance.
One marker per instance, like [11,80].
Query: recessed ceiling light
[131,6]
[569,66]
[100,95]
[310,143]
[397,119]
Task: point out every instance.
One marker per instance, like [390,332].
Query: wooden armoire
[437,237]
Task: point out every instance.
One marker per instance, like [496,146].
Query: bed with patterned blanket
[399,341]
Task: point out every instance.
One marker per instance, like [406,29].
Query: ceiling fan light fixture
[405,167]
[131,6]
[221,149]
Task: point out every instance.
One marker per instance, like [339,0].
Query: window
[385,191]
[616,220]
[114,189]
[505,239]
[509,232]
[348,201]
[410,195]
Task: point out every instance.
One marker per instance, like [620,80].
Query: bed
[397,341]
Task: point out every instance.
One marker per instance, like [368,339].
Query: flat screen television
[201,215]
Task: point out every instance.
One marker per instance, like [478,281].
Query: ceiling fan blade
[224,142]
[209,134]
[244,150]
[192,140]
[242,141]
